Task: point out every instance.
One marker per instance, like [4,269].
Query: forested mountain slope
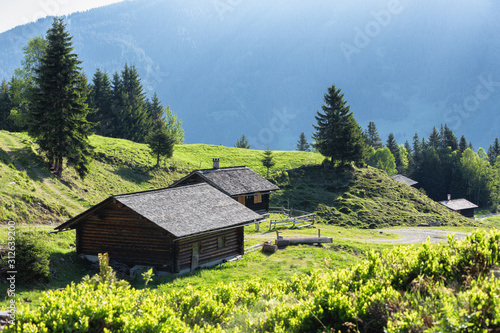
[259,68]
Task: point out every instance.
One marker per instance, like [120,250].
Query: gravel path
[418,235]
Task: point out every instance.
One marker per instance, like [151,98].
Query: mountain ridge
[232,67]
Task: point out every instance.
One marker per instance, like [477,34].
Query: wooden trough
[281,242]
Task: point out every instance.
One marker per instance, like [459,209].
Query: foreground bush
[445,287]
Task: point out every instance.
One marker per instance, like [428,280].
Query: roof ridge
[155,190]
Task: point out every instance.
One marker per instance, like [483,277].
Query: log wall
[126,236]
[209,247]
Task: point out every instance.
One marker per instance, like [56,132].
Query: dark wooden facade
[129,238]
[172,229]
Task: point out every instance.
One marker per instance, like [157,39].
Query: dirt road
[419,235]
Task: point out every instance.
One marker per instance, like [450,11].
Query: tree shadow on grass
[134,174]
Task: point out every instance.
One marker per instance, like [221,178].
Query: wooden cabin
[461,206]
[174,229]
[240,183]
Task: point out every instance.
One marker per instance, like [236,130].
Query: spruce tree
[302,144]
[462,145]
[5,106]
[494,151]
[449,139]
[372,138]
[160,141]
[242,142]
[268,160]
[338,134]
[435,139]
[100,100]
[58,118]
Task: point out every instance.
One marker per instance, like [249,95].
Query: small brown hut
[461,206]
[173,229]
[240,183]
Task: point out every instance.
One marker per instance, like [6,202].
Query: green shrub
[32,258]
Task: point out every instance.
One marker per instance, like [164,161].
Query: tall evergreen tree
[449,139]
[372,138]
[462,145]
[58,118]
[100,101]
[338,134]
[5,106]
[302,144]
[435,139]
[242,142]
[268,160]
[494,151]
[394,149]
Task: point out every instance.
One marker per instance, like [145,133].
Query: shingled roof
[181,211]
[404,180]
[458,204]
[233,181]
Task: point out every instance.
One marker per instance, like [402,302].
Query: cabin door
[195,257]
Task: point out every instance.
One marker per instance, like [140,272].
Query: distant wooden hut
[173,229]
[462,206]
[404,180]
[241,183]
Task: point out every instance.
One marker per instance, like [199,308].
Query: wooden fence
[288,212]
[292,220]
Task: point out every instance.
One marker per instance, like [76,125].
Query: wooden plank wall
[126,236]
[210,252]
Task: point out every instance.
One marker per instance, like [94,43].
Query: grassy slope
[30,193]
[364,197]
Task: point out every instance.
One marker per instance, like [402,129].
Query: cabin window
[221,242]
[257,198]
[241,200]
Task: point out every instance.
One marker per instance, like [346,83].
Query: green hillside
[30,193]
[364,197]
[360,197]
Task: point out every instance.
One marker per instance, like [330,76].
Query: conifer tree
[242,142]
[100,100]
[435,139]
[5,106]
[494,151]
[338,134]
[58,118]
[449,139]
[372,138]
[302,144]
[160,141]
[268,160]
[462,145]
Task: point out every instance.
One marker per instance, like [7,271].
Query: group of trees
[441,164]
[49,97]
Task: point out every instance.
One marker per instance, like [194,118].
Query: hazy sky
[19,12]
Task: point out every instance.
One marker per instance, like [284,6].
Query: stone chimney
[216,162]
[449,197]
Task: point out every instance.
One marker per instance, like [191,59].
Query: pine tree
[100,101]
[242,143]
[268,160]
[449,139]
[462,145]
[160,141]
[57,120]
[338,134]
[494,151]
[372,138]
[302,144]
[435,139]
[5,106]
